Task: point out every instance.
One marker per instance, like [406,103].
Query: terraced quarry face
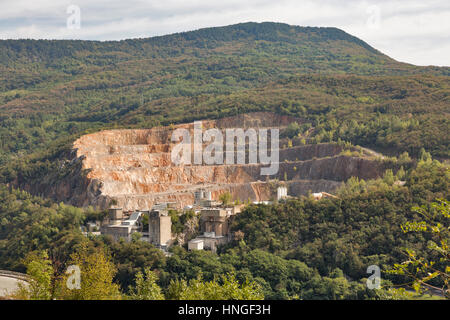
[134,167]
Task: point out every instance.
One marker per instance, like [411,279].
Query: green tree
[292,130]
[146,287]
[424,156]
[388,177]
[226,289]
[400,173]
[404,157]
[97,273]
[420,269]
[225,198]
[40,272]
[136,236]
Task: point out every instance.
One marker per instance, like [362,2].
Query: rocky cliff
[134,168]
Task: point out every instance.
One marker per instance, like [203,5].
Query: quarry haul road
[373,153]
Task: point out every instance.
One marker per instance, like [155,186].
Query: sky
[413,31]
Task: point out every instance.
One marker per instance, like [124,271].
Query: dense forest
[298,249]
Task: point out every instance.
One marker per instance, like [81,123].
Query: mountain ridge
[264,31]
[53,89]
[260,31]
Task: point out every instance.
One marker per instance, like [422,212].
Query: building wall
[195,245]
[160,229]
[165,230]
[118,232]
[219,225]
[153,229]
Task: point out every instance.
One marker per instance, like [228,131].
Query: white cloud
[413,31]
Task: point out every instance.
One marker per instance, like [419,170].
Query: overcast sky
[414,31]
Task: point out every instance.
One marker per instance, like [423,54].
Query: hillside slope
[55,91]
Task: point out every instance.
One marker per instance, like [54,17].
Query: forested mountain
[52,89]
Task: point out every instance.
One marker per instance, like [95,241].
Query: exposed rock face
[134,167]
[191,228]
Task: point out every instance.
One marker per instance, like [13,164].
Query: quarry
[132,168]
[237,142]
[131,173]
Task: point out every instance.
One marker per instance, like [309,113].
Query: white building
[196,244]
[281,193]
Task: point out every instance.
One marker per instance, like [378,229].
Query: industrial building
[121,225]
[214,222]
